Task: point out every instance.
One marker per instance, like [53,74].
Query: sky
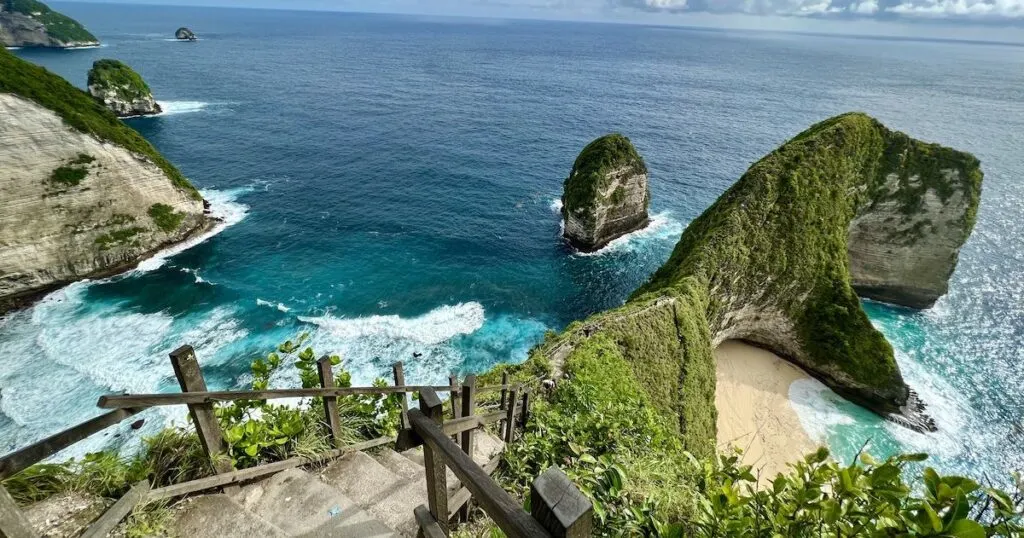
[984,20]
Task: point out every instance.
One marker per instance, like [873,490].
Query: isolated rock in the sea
[121,89]
[774,261]
[184,34]
[29,23]
[606,194]
[83,194]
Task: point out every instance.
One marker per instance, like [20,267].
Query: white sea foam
[556,206]
[434,327]
[223,206]
[814,404]
[195,273]
[279,306]
[170,108]
[662,227]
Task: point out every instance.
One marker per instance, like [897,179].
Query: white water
[171,108]
[661,228]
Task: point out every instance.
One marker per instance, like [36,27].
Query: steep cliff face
[606,194]
[770,262]
[29,23]
[121,89]
[83,194]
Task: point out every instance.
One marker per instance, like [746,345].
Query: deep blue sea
[391,182]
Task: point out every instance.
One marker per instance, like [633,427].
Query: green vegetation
[119,237]
[114,75]
[69,176]
[80,111]
[165,217]
[58,26]
[83,159]
[589,172]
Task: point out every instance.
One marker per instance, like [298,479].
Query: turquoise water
[390,184]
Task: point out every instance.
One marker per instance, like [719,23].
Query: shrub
[69,176]
[165,217]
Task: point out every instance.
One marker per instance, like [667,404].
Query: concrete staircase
[357,495]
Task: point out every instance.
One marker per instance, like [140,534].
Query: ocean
[389,185]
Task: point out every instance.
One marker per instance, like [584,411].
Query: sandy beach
[754,411]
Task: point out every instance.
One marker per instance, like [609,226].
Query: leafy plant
[165,217]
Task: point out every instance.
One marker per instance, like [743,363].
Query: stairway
[355,496]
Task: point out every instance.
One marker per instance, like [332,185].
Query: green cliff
[121,89]
[30,23]
[769,263]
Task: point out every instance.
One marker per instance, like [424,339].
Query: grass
[118,237]
[114,75]
[165,217]
[589,172]
[80,111]
[58,26]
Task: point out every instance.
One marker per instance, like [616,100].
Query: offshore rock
[29,23]
[846,205]
[121,89]
[184,34]
[606,194]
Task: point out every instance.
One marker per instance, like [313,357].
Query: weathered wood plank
[399,373]
[460,499]
[326,375]
[559,506]
[454,399]
[124,506]
[525,414]
[503,509]
[190,378]
[510,420]
[118,401]
[245,475]
[21,459]
[428,525]
[467,437]
[13,523]
[432,410]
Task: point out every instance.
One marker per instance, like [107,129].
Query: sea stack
[84,195]
[606,194]
[30,23]
[121,89]
[184,34]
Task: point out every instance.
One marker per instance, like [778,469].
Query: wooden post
[559,506]
[468,410]
[323,368]
[400,382]
[190,377]
[453,381]
[433,461]
[504,402]
[510,418]
[526,407]
[13,523]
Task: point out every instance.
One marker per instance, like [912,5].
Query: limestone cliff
[83,194]
[606,194]
[774,261]
[30,23]
[121,89]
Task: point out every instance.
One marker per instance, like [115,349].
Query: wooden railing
[416,429]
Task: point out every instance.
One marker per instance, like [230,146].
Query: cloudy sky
[958,19]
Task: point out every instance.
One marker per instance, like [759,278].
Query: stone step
[300,504]
[218,515]
[485,447]
[398,464]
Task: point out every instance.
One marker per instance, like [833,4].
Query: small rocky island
[84,195]
[606,194]
[121,89]
[184,34]
[30,23]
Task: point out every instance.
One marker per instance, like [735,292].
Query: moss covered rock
[30,23]
[606,194]
[770,263]
[121,89]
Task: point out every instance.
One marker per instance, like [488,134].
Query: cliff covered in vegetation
[774,262]
[121,89]
[30,23]
[84,194]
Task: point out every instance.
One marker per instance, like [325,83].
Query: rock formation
[184,34]
[29,23]
[83,194]
[774,262]
[121,89]
[606,194]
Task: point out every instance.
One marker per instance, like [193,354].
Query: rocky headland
[606,194]
[121,89]
[776,261]
[30,23]
[83,194]
[184,34]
